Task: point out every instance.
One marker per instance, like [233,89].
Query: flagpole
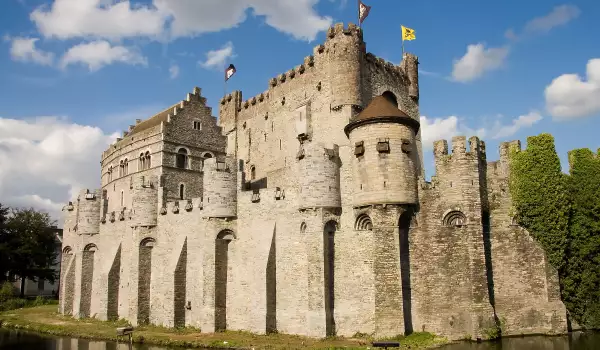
[225,83]
[359,24]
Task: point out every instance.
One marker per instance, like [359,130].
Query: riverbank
[45,319]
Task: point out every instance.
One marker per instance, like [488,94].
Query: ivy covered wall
[562,212]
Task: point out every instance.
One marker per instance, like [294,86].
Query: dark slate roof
[380,107]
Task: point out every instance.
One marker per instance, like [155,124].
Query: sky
[75,73]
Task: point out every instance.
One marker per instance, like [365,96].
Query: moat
[10,339]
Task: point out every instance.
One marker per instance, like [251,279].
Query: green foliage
[581,280]
[540,196]
[28,245]
[562,212]
[6,291]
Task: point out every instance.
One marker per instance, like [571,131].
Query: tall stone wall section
[526,293]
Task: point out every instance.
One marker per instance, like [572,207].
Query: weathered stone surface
[267,228]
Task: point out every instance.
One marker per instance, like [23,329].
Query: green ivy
[581,280]
[562,212]
[540,197]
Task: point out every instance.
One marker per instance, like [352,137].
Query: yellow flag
[408,34]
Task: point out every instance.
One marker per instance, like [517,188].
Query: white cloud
[433,129]
[174,71]
[45,161]
[98,54]
[67,19]
[218,58]
[118,19]
[499,131]
[24,50]
[477,61]
[559,16]
[570,96]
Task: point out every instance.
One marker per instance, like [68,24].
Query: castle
[304,210]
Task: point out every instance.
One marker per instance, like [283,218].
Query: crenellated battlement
[340,29]
[506,147]
[379,64]
[459,149]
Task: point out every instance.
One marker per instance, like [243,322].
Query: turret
[384,154]
[319,176]
[144,199]
[88,212]
[220,188]
[228,112]
[345,49]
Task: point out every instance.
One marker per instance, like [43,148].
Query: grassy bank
[45,319]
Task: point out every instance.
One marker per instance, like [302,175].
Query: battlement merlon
[228,111]
[476,149]
[505,149]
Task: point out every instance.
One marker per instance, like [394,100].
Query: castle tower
[220,188]
[88,212]
[319,176]
[144,198]
[384,163]
[345,49]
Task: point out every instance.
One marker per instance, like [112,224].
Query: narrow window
[126,166]
[122,199]
[279,144]
[181,190]
[252,173]
[197,125]
[148,160]
[181,159]
[141,165]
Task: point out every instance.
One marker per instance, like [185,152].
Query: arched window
[363,223]
[181,191]
[122,199]
[207,155]
[252,173]
[455,218]
[121,169]
[141,163]
[148,159]
[126,166]
[390,97]
[181,160]
[110,169]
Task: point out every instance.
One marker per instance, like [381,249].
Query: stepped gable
[381,110]
[153,121]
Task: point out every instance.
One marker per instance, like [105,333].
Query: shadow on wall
[329,269]
[271,286]
[221,264]
[404,230]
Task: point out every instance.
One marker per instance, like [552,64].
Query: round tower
[383,160]
[345,48]
[144,201]
[219,198]
[319,177]
[88,212]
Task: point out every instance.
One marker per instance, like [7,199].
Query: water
[17,340]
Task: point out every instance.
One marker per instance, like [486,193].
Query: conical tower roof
[381,110]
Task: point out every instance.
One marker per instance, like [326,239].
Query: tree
[4,246]
[31,245]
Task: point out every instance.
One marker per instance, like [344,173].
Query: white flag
[229,72]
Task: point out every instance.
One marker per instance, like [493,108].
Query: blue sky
[76,71]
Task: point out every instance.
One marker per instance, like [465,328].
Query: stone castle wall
[274,232]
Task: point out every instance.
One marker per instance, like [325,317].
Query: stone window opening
[110,173]
[391,97]
[181,159]
[253,173]
[197,125]
[122,199]
[455,218]
[181,191]
[142,162]
[207,155]
[126,167]
[121,168]
[303,227]
[148,160]
[280,144]
[363,223]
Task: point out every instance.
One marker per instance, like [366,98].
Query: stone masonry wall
[264,258]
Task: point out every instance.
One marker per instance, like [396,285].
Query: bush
[6,292]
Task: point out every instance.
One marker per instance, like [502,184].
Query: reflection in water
[10,340]
[575,341]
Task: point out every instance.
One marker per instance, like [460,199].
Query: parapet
[459,149]
[506,147]
[220,187]
[410,66]
[88,211]
[339,29]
